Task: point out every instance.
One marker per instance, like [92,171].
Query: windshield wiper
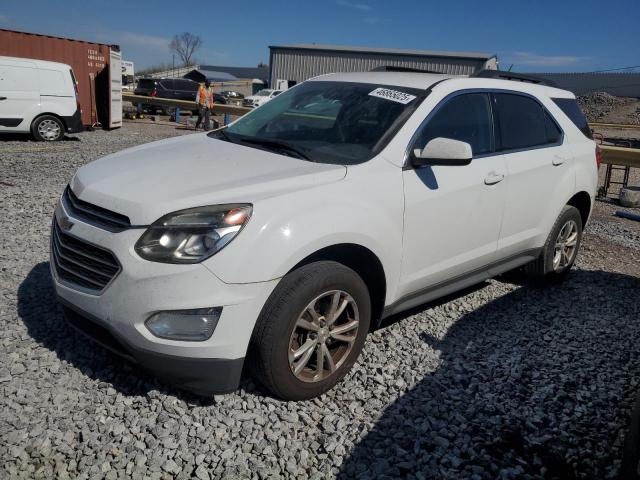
[274,144]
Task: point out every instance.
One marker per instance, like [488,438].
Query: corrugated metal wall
[618,84]
[300,65]
[90,63]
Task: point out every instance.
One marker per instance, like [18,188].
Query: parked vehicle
[174,88]
[231,95]
[38,97]
[283,238]
[260,98]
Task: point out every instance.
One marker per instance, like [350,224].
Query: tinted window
[465,118]
[571,109]
[522,122]
[167,84]
[554,134]
[185,85]
[145,83]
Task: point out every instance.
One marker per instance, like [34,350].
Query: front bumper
[204,376]
[142,288]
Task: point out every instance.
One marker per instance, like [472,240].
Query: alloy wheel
[565,246]
[323,336]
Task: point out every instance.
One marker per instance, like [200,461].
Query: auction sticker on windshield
[393,95]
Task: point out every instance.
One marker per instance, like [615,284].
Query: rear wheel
[560,250]
[311,330]
[47,128]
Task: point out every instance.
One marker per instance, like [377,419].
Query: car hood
[151,180]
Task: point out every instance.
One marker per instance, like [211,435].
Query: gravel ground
[501,381]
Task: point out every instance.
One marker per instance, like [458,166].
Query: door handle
[557,161]
[3,98]
[493,178]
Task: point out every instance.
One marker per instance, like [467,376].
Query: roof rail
[518,77]
[393,68]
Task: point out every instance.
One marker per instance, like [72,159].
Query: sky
[533,36]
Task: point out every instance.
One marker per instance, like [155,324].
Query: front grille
[101,217]
[81,263]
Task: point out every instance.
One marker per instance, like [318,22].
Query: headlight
[192,235]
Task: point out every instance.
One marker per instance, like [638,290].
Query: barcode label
[393,95]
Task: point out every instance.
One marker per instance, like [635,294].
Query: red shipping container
[100,94]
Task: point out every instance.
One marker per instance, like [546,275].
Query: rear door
[19,96]
[453,213]
[538,163]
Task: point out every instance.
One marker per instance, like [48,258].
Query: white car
[284,238]
[38,97]
[260,98]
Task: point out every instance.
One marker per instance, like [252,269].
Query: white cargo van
[38,97]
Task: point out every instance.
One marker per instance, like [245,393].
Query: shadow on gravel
[42,315]
[537,383]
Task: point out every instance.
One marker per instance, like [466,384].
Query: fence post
[227,119]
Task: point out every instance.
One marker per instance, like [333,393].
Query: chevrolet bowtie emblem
[65,223]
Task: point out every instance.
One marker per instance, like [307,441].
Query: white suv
[287,236]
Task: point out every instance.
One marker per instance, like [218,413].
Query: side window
[523,123]
[554,134]
[167,84]
[572,110]
[466,118]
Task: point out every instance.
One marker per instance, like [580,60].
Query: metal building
[291,64]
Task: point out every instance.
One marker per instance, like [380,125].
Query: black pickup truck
[174,88]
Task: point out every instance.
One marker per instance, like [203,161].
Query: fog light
[190,325]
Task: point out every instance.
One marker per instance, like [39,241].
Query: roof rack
[392,68]
[518,77]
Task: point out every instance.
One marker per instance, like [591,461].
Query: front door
[453,213]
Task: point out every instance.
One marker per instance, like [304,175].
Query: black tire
[47,128]
[270,342]
[542,270]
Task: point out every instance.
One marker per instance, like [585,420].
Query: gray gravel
[503,381]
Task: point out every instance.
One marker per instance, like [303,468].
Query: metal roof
[261,73]
[113,45]
[387,51]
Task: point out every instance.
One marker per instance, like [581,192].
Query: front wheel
[47,128]
[311,330]
[560,250]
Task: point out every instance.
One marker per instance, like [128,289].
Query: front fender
[365,208]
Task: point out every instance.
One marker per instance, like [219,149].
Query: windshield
[263,93]
[329,122]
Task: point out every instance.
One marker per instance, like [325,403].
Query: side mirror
[443,151]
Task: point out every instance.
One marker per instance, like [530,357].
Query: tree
[185,46]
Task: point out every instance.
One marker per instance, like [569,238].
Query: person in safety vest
[204,100]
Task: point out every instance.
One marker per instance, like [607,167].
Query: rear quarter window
[572,110]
